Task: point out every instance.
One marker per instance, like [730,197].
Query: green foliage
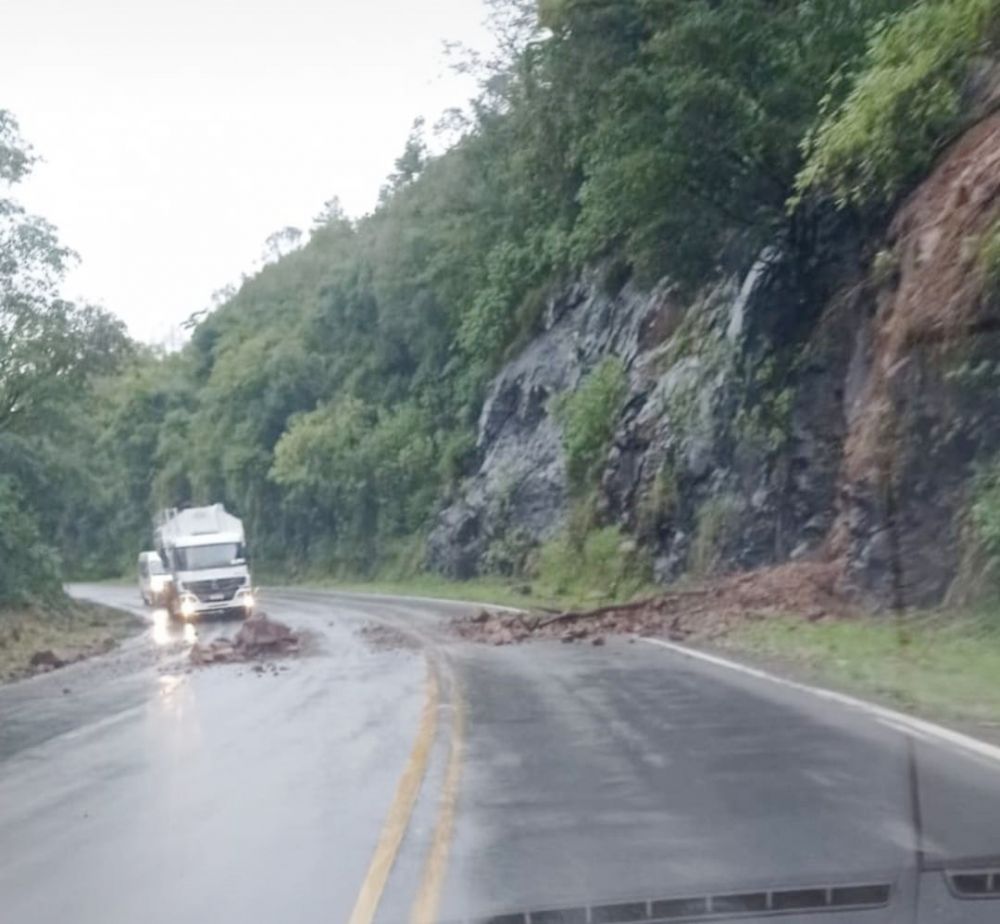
[988,260]
[765,416]
[885,268]
[697,122]
[984,510]
[587,417]
[365,476]
[28,565]
[714,525]
[601,565]
[904,103]
[947,668]
[51,354]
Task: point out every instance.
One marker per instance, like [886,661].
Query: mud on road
[702,612]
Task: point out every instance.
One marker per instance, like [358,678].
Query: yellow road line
[428,900]
[394,827]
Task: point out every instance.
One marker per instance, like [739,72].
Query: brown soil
[937,302]
[700,612]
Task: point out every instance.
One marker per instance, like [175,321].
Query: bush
[603,564]
[587,417]
[904,104]
[978,576]
[28,566]
[715,521]
[985,509]
[988,260]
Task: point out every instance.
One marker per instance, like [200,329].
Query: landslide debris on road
[258,638]
[700,612]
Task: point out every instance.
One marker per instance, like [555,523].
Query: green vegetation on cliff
[907,101]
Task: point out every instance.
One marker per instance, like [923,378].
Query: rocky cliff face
[520,492]
[821,405]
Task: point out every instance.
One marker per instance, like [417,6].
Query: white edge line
[898,720]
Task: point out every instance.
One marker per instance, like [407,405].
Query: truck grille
[209,590]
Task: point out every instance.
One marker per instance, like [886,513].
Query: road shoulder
[44,636]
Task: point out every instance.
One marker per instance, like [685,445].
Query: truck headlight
[246,598]
[189,606]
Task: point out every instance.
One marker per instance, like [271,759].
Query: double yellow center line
[425,907]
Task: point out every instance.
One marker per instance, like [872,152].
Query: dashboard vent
[975,883]
[726,906]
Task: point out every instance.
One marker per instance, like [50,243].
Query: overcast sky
[178,134]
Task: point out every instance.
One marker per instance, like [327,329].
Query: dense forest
[332,400]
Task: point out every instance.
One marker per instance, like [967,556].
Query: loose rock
[46,659]
[258,637]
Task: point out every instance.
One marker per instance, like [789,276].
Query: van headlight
[189,606]
[245,597]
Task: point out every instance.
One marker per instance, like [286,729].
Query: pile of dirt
[703,612]
[258,637]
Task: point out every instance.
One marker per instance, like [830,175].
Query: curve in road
[565,783]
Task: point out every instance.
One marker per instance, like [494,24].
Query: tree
[281,243]
[51,351]
[410,164]
[332,212]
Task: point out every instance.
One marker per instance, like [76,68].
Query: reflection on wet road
[166,631]
[395,776]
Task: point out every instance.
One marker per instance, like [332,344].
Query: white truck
[204,550]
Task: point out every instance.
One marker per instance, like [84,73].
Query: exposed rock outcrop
[520,489]
[829,404]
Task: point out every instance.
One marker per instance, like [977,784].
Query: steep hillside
[924,412]
[832,403]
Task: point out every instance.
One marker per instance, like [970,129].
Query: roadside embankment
[939,665]
[46,635]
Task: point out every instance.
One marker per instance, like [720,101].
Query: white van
[154,579]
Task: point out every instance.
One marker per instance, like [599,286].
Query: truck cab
[205,551]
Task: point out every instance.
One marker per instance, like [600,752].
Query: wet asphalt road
[550,777]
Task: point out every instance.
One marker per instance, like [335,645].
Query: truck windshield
[200,557]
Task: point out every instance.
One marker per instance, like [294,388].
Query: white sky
[178,134]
